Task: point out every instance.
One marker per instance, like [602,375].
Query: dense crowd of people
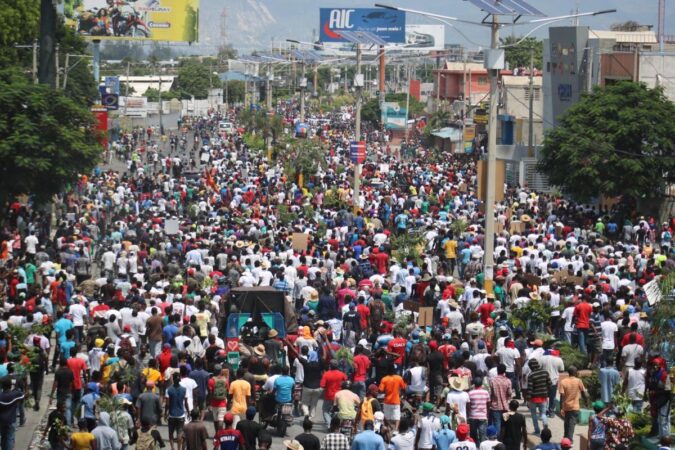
[395,340]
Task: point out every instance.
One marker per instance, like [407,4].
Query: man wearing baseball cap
[227,438]
[463,440]
[491,441]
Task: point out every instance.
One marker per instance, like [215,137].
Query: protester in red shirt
[361,366]
[397,345]
[582,315]
[364,313]
[228,438]
[486,309]
[331,382]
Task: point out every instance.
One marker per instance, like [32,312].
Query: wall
[617,66]
[661,65]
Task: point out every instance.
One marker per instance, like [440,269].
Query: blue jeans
[538,409]
[664,420]
[568,337]
[583,335]
[7,433]
[478,429]
[515,385]
[552,394]
[359,388]
[327,410]
[570,422]
[68,402]
[496,418]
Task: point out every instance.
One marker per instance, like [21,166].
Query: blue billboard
[387,24]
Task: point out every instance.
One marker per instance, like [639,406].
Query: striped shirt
[479,399]
[500,389]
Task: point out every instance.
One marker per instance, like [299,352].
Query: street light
[494,62]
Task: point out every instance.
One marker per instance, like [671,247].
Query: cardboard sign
[426,316]
[206,157]
[171,226]
[574,281]
[299,242]
[516,227]
[410,305]
[560,276]
[532,280]
[653,291]
[233,345]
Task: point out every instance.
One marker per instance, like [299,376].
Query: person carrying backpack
[219,386]
[149,438]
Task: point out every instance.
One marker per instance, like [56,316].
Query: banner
[357,152]
[101,114]
[387,24]
[157,20]
[393,116]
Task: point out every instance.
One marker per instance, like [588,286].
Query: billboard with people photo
[157,20]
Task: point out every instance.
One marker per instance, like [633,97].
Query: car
[226,127]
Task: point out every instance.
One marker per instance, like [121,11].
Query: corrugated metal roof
[633,37]
[454,134]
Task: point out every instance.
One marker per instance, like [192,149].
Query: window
[482,80]
[537,93]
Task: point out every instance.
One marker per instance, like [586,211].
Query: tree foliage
[46,140]
[19,21]
[81,85]
[617,140]
[193,80]
[519,55]
[234,90]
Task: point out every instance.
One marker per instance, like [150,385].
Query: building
[139,84]
[515,111]
[577,58]
[460,80]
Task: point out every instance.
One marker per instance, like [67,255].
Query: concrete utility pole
[407,100]
[303,86]
[382,72]
[488,258]
[56,64]
[358,85]
[35,61]
[46,72]
[530,129]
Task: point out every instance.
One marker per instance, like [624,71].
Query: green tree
[235,91]
[81,85]
[19,21]
[193,79]
[617,140]
[519,55]
[46,140]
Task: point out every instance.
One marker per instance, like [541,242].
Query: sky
[249,26]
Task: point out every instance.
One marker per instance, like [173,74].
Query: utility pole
[381,74]
[488,260]
[35,61]
[65,71]
[530,129]
[48,19]
[358,84]
[303,86]
[407,101]
[56,64]
[316,80]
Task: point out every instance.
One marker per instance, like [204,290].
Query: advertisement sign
[301,130]
[469,133]
[388,25]
[357,152]
[112,85]
[422,37]
[101,114]
[393,116]
[157,20]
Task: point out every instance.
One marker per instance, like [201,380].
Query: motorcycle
[129,23]
[281,420]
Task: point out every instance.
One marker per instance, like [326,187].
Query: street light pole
[303,85]
[357,128]
[488,258]
[407,102]
[530,129]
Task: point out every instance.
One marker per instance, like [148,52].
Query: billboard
[388,25]
[393,116]
[157,20]
[421,37]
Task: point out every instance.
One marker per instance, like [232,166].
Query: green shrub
[572,356]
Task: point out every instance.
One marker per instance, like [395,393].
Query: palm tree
[438,119]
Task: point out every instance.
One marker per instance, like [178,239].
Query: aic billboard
[157,20]
[388,25]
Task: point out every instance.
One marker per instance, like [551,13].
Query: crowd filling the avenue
[200,285]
